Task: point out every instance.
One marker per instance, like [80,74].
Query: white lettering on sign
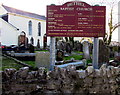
[84,9]
[76,3]
[67,9]
[78,9]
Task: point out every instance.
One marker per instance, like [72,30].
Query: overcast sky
[39,6]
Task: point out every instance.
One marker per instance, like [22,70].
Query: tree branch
[116,26]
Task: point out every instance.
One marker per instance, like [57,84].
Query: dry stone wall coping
[105,80]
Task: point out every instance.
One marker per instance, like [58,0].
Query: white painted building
[6,30]
[14,22]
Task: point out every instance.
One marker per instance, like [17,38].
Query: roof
[24,13]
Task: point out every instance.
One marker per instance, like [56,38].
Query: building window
[30,27]
[39,29]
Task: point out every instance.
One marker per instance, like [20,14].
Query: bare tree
[112,27]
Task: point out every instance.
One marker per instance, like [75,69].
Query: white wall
[8,34]
[21,22]
[119,21]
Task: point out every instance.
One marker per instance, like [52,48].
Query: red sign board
[76,19]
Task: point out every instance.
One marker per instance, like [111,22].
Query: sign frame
[75,19]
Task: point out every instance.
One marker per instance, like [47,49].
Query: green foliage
[89,61]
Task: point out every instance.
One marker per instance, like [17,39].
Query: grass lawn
[76,57]
[31,63]
[89,61]
[41,51]
[9,63]
[78,52]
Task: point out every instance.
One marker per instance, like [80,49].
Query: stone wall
[106,80]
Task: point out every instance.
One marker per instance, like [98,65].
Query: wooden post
[95,53]
[52,53]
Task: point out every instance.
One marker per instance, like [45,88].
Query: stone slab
[42,59]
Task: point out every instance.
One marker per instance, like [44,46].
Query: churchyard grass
[89,61]
[9,63]
[31,63]
[41,51]
[78,52]
[76,57]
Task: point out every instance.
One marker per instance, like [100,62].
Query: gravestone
[22,39]
[59,55]
[68,48]
[32,40]
[104,53]
[86,51]
[60,45]
[31,48]
[78,46]
[91,48]
[45,41]
[38,43]
[75,45]
[116,53]
[42,59]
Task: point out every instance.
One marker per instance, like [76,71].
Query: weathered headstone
[91,48]
[68,48]
[78,46]
[116,54]
[31,48]
[60,45]
[86,51]
[59,55]
[38,43]
[32,40]
[75,45]
[22,39]
[43,59]
[104,52]
[45,42]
